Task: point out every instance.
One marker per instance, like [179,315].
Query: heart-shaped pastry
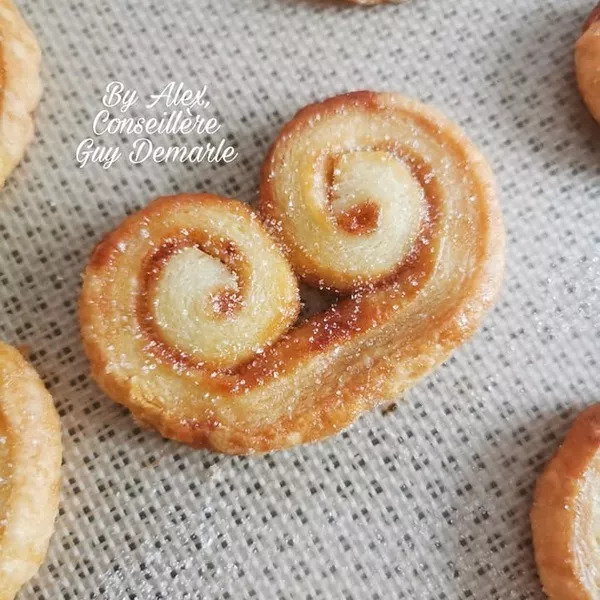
[188,309]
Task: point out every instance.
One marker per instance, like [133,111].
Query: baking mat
[429,501]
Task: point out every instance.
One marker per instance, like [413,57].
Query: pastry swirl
[20,86]
[372,195]
[30,458]
[587,63]
[565,517]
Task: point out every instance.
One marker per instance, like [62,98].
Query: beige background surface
[427,502]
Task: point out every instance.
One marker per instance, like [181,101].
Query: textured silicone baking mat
[429,501]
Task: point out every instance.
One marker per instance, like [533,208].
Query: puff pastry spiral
[587,63]
[30,458]
[188,309]
[20,86]
[565,517]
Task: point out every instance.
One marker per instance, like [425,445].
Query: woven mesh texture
[429,501]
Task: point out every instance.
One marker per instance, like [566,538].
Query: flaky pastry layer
[430,277]
[565,517]
[30,459]
[587,63]
[20,86]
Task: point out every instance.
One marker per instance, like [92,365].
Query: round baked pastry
[30,458]
[565,517]
[587,63]
[188,309]
[20,86]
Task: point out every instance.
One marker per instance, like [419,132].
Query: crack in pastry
[30,459]
[188,309]
[587,63]
[20,86]
[565,517]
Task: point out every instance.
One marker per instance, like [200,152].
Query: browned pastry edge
[558,504]
[374,2]
[594,16]
[587,63]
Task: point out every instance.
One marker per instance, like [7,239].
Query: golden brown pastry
[373,2]
[30,458]
[587,63]
[20,86]
[565,517]
[188,308]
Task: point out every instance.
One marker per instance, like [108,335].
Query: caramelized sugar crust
[587,63]
[386,181]
[20,86]
[30,459]
[565,517]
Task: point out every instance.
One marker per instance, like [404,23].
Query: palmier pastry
[565,517]
[20,86]
[188,309]
[587,63]
[30,458]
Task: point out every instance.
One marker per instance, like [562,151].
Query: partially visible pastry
[30,459]
[373,2]
[565,517]
[20,86]
[587,63]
